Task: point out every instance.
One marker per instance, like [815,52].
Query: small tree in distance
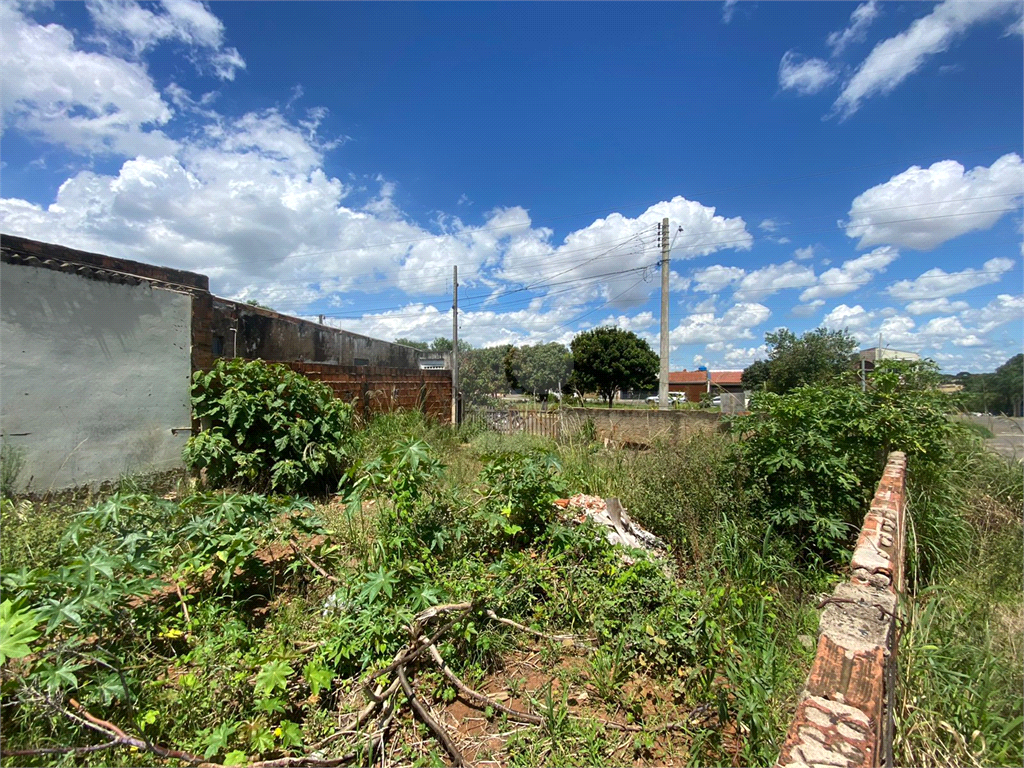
[538,369]
[820,357]
[608,359]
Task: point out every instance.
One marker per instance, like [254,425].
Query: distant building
[696,383]
[873,355]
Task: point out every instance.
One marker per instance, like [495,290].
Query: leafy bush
[520,493]
[269,429]
[820,450]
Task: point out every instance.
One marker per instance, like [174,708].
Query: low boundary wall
[643,427]
[844,718]
[374,389]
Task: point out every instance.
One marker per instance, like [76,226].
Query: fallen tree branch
[436,728]
[577,641]
[470,693]
[63,750]
[313,564]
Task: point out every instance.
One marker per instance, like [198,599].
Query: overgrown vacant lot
[441,608]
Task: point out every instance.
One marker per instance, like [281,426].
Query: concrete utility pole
[663,376]
[455,346]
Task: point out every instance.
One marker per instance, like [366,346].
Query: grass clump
[962,673]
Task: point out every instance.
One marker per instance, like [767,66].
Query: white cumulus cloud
[86,101]
[937,283]
[921,208]
[853,274]
[805,76]
[736,322]
[773,278]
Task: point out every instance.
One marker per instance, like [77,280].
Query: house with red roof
[696,383]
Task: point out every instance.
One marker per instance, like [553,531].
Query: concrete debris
[610,514]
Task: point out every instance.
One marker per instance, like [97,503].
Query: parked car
[674,397]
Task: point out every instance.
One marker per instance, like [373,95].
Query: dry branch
[515,714]
[313,564]
[435,727]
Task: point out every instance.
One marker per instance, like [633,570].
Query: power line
[725,242]
[647,203]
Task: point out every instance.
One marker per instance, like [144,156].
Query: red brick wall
[380,390]
[844,717]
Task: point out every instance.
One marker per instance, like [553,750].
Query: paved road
[1008,434]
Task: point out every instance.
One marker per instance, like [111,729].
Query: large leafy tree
[538,369]
[999,392]
[482,373]
[820,356]
[606,360]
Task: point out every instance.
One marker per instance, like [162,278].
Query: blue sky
[854,165]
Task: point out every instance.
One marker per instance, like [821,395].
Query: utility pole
[455,346]
[663,376]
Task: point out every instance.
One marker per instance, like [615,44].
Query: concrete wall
[95,375]
[643,426]
[272,336]
[844,717]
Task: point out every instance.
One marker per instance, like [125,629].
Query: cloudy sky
[841,164]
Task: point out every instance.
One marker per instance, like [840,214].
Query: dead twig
[428,719]
[576,641]
[514,714]
[184,605]
[313,564]
[123,738]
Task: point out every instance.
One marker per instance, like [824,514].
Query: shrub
[820,450]
[520,493]
[269,429]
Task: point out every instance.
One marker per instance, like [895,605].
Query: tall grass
[961,670]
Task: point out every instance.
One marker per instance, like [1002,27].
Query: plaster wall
[95,376]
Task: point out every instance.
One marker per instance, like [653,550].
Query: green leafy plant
[519,491]
[820,450]
[17,631]
[268,428]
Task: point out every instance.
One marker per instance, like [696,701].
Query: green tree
[1009,385]
[819,450]
[538,369]
[414,344]
[756,375]
[482,373]
[820,356]
[606,360]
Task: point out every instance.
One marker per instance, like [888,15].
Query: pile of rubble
[610,514]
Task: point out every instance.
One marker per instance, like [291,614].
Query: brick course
[375,389]
[844,717]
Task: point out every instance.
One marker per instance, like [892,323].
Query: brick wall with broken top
[844,717]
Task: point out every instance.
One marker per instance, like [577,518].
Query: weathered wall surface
[643,427]
[272,336]
[98,354]
[382,390]
[844,718]
[95,374]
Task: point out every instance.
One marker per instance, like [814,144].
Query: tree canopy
[998,392]
[482,373]
[820,356]
[608,359]
[538,369]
